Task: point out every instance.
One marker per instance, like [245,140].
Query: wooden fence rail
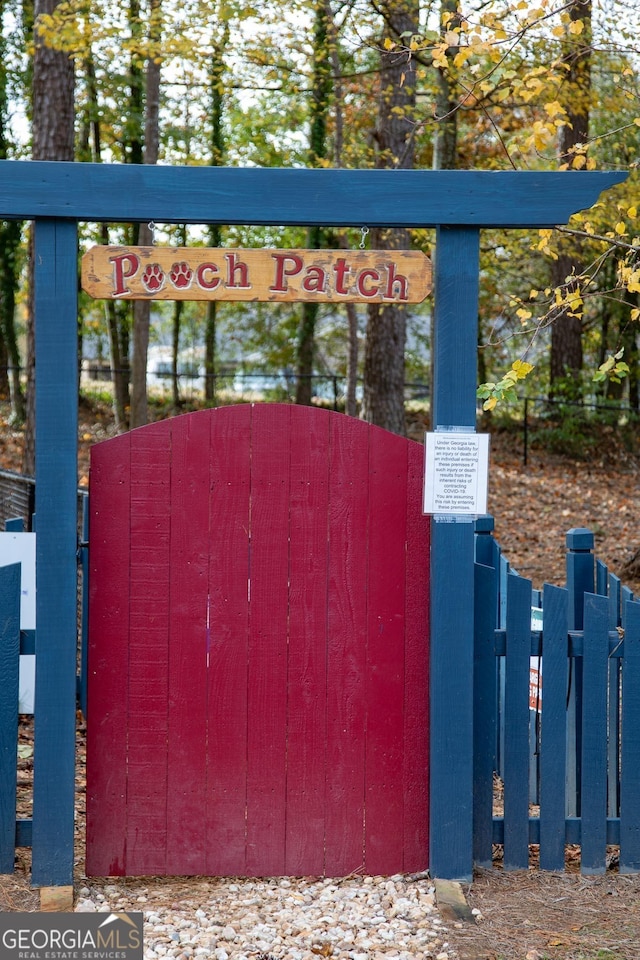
[562,730]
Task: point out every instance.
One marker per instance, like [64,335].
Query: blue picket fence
[561,731]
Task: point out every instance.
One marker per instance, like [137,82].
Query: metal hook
[364,231]
[152,230]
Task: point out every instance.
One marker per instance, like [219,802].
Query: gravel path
[360,918]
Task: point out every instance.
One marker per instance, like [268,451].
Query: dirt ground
[525,915]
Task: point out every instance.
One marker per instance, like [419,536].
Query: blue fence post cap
[580,538]
[484,524]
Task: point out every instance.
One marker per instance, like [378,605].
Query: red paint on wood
[149,614]
[415,773]
[307,656]
[270,677]
[188,645]
[346,646]
[268,624]
[226,825]
[108,658]
[385,651]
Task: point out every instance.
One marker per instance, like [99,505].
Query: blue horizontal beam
[573,830]
[296,197]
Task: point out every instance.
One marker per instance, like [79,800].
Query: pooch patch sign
[201,273]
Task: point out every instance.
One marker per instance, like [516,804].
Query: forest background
[504,84]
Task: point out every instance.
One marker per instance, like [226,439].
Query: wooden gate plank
[110,538]
[188,645]
[348,534]
[416,675]
[307,651]
[268,624]
[149,613]
[385,651]
[226,824]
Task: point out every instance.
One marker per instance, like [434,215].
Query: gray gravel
[360,918]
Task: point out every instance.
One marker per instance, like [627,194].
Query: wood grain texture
[553,742]
[9,670]
[108,656]
[201,273]
[630,783]
[594,735]
[187,726]
[516,723]
[275,693]
[228,638]
[56,428]
[404,198]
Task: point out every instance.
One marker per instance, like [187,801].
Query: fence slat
[553,752]
[594,735]
[9,667]
[613,715]
[516,724]
[485,708]
[630,782]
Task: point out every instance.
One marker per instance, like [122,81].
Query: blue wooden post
[452,575]
[630,786]
[9,666]
[56,312]
[580,580]
[516,715]
[593,738]
[555,666]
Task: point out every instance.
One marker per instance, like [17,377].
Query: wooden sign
[199,273]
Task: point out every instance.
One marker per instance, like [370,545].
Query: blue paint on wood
[14,525]
[594,735]
[9,669]
[24,833]
[56,484]
[553,745]
[516,722]
[452,575]
[485,708]
[406,198]
[614,588]
[83,552]
[580,567]
[630,785]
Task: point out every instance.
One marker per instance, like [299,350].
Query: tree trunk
[53,139]
[142,308]
[566,331]
[383,402]
[216,74]
[320,90]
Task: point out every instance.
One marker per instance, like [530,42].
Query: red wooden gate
[258,672]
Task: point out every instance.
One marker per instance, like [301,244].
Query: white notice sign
[456,473]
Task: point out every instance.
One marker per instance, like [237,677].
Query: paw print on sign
[153,278]
[181,275]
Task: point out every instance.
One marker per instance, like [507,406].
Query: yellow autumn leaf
[554,108]
[620,228]
[524,314]
[388,43]
[521,368]
[489,404]
[635,313]
[632,212]
[576,27]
